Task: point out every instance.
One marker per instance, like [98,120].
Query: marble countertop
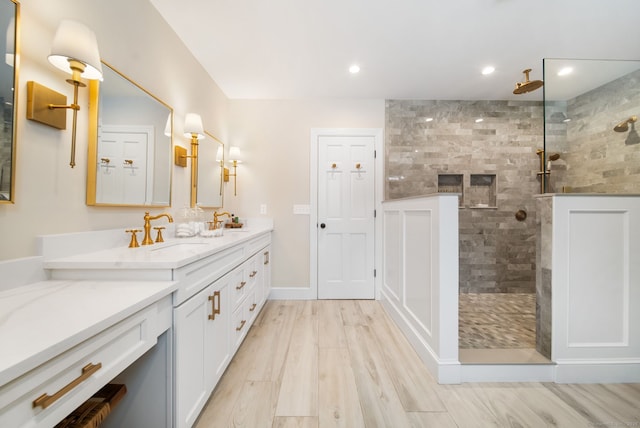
[171,254]
[41,320]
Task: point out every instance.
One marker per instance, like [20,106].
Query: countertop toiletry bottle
[185,223]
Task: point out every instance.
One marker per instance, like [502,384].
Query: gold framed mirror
[9,71]
[209,190]
[130,144]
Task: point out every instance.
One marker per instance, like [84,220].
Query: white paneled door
[346,203]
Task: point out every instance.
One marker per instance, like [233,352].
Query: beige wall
[50,196]
[275,139]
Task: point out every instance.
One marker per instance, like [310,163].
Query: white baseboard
[444,372]
[612,371]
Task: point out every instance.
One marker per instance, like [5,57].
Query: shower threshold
[501,356]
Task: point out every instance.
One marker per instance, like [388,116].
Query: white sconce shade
[11,42]
[167,126]
[74,41]
[193,125]
[220,154]
[234,154]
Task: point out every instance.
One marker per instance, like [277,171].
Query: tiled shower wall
[497,252]
[594,158]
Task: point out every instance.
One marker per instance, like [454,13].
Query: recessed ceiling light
[354,69]
[565,71]
[488,70]
[478,120]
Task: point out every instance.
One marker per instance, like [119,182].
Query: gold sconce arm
[74,51]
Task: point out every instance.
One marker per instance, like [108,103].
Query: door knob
[322,225]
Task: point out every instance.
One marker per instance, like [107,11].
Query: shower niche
[482,191]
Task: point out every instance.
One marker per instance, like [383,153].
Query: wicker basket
[92,412]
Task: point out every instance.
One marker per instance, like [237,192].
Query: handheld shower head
[624,125]
[527,85]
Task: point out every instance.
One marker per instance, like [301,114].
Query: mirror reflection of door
[123,176]
[120,102]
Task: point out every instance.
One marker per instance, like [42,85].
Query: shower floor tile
[497,321]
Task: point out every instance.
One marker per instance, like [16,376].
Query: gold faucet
[216,215]
[147,226]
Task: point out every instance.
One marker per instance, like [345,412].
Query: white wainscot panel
[598,288]
[418,238]
[392,253]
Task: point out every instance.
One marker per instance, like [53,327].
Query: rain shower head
[527,85]
[624,125]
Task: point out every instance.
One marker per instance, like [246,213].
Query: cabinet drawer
[239,286]
[197,275]
[240,325]
[72,377]
[258,243]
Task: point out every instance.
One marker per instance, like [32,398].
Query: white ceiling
[407,49]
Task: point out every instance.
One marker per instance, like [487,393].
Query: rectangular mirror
[210,169]
[130,141]
[9,25]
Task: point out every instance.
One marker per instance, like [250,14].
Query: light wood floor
[345,364]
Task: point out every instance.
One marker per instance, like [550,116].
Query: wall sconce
[192,129]
[75,51]
[235,157]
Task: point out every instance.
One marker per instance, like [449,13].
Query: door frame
[378,181]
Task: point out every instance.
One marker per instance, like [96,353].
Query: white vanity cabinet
[220,286]
[210,325]
[202,335]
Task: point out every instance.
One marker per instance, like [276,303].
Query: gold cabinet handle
[241,325]
[334,166]
[266,257]
[45,400]
[105,160]
[253,307]
[214,311]
[242,284]
[128,162]
[252,274]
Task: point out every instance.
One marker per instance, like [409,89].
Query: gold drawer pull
[253,307]
[252,274]
[242,284]
[241,325]
[214,310]
[45,400]
[266,257]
